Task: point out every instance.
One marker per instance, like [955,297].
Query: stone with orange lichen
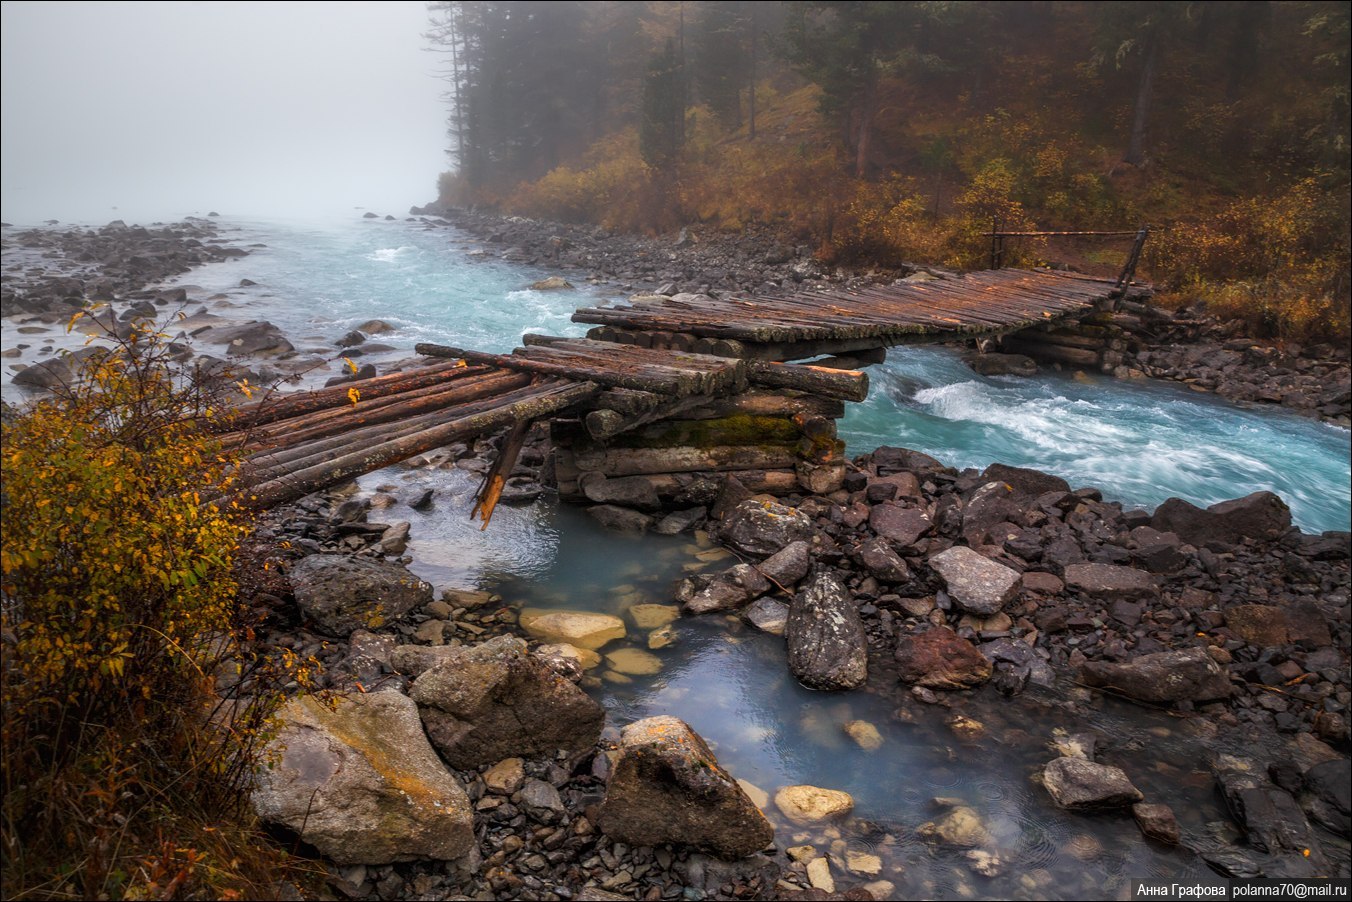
[361,783]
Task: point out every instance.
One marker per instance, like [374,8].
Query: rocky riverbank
[464,730]
[1187,346]
[930,586]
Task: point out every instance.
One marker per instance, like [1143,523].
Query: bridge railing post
[1129,270]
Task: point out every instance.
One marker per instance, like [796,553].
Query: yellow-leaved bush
[119,614]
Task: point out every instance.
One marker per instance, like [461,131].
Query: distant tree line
[533,84]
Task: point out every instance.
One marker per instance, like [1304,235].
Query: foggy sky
[166,109]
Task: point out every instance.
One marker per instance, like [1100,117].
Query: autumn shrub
[1280,263]
[123,766]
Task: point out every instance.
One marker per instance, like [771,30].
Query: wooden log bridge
[665,398]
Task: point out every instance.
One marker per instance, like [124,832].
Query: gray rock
[47,375]
[989,506]
[941,659]
[495,700]
[360,783]
[895,460]
[767,615]
[667,787]
[975,583]
[678,522]
[1111,582]
[621,519]
[884,563]
[1165,677]
[827,646]
[788,565]
[1077,783]
[341,594]
[542,801]
[761,527]
[629,491]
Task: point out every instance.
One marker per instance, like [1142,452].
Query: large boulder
[667,787]
[828,648]
[361,784]
[761,527]
[1260,516]
[1188,674]
[496,700]
[975,583]
[1078,783]
[1268,626]
[342,593]
[249,339]
[941,659]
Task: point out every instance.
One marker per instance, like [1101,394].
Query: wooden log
[766,403]
[486,499]
[319,449]
[603,424]
[286,433]
[1057,353]
[847,385]
[299,484]
[662,385]
[282,406]
[1064,339]
[740,429]
[644,461]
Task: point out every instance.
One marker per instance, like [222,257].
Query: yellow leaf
[354,396]
[351,364]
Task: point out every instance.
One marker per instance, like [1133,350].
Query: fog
[154,110]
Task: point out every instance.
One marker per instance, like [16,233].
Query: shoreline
[1037,527]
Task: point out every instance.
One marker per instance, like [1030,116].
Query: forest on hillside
[899,132]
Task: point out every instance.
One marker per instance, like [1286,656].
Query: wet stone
[1157,822]
[975,583]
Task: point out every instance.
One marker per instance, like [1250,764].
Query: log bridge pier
[665,397]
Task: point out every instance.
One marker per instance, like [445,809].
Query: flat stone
[975,583]
[633,662]
[864,734]
[805,805]
[863,864]
[505,777]
[1077,783]
[585,657]
[1111,582]
[901,525]
[1188,674]
[961,826]
[579,628]
[652,616]
[819,875]
[767,615]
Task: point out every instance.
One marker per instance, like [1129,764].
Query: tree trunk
[1136,146]
[864,146]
